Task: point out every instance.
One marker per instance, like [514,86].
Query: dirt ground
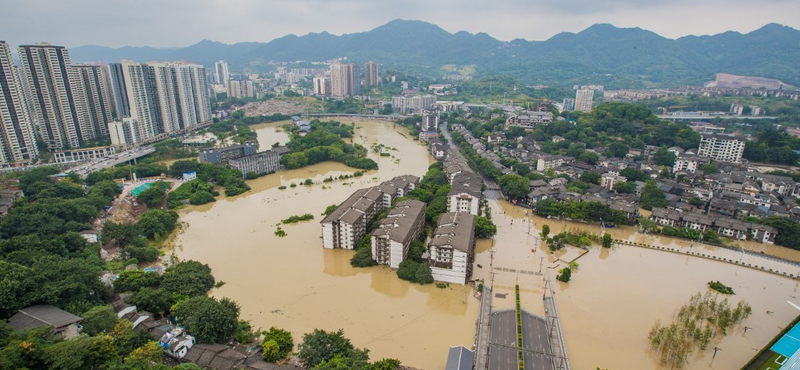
[285,106]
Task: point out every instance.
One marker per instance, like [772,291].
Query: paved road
[503,332]
[98,164]
[536,344]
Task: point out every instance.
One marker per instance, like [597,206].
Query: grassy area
[770,362]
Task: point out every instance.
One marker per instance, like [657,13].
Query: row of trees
[576,210]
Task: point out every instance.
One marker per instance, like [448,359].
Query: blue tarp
[789,343]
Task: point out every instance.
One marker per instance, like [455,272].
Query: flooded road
[617,295]
[293,283]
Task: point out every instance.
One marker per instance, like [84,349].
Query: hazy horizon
[183,23]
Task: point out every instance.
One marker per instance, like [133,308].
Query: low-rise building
[688,163]
[608,180]
[529,120]
[438,150]
[391,241]
[223,155]
[722,225]
[465,194]
[8,198]
[62,322]
[549,161]
[259,163]
[451,248]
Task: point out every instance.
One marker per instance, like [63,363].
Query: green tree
[152,196]
[545,231]
[157,222]
[625,187]
[664,157]
[564,275]
[270,351]
[133,280]
[385,364]
[484,227]
[607,240]
[591,177]
[652,196]
[209,320]
[514,186]
[190,278]
[155,300]
[201,197]
[71,354]
[283,340]
[633,174]
[99,319]
[320,346]
[415,272]
[618,149]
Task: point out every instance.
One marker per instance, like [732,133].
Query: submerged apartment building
[465,194]
[452,247]
[346,225]
[391,241]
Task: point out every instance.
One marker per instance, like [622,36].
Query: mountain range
[600,54]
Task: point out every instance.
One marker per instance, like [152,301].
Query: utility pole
[541,261]
[715,352]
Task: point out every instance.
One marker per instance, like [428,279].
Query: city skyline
[260,21]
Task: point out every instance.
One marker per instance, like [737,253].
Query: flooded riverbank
[291,282]
[617,295]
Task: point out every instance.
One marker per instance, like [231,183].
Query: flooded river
[292,283]
[606,311]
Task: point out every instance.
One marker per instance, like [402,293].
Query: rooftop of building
[466,182]
[42,315]
[399,222]
[454,230]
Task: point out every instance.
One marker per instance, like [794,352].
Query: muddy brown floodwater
[616,295]
[293,283]
[606,311]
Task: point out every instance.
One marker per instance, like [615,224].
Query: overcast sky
[173,23]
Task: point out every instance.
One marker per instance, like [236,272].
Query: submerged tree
[696,324]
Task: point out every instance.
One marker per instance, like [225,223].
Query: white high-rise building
[17,139]
[221,74]
[122,106]
[322,85]
[412,103]
[58,102]
[165,97]
[721,148]
[583,100]
[123,133]
[241,89]
[140,87]
[95,84]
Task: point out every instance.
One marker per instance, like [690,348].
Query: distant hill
[600,54]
